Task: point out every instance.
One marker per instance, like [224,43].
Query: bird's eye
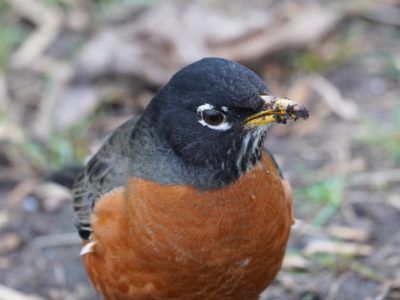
[212,117]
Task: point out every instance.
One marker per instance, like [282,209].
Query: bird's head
[216,112]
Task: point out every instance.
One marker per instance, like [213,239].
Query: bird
[184,202]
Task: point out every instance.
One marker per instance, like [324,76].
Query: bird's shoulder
[106,170]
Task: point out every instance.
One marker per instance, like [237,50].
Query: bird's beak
[278,110]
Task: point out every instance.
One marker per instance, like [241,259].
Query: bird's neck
[154,159]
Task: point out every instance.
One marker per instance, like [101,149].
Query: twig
[60,75]
[348,233]
[56,240]
[386,14]
[48,21]
[376,178]
[337,248]
[335,286]
[9,128]
[333,98]
[385,291]
[5,102]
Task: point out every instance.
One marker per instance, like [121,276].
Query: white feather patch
[296,224]
[89,247]
[204,107]
[243,150]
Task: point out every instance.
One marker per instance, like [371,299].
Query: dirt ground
[70,71]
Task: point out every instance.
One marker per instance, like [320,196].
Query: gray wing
[106,170]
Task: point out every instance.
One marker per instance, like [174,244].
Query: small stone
[3,219]
[10,242]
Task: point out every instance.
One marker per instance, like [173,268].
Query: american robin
[184,202]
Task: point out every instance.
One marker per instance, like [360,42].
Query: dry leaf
[7,293]
[152,47]
[295,262]
[306,24]
[348,233]
[20,192]
[52,196]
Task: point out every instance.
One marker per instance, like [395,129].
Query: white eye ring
[223,125]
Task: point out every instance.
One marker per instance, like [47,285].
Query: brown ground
[344,162]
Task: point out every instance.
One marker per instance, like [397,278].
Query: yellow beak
[278,110]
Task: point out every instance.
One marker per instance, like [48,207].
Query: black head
[201,114]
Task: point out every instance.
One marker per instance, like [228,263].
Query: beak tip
[299,108]
[301,111]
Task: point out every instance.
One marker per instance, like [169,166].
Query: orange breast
[176,242]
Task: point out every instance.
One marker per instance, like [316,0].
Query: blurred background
[72,70]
